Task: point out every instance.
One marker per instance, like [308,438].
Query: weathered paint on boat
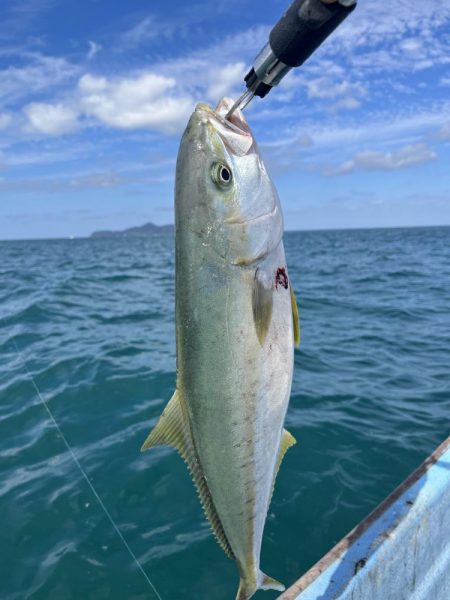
[400,552]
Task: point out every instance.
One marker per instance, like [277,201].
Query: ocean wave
[90,323]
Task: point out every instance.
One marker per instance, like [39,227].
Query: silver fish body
[235,334]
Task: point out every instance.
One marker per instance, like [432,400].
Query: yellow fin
[287,440]
[248,587]
[295,317]
[262,304]
[173,429]
[269,583]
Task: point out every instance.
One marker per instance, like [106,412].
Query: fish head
[223,191]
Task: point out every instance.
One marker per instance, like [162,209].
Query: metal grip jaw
[300,31]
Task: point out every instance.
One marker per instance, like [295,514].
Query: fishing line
[83,472]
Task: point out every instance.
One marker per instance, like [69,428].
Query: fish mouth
[236,122]
[234,132]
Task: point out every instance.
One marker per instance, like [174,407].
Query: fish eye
[221,174]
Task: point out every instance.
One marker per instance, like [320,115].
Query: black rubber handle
[303,28]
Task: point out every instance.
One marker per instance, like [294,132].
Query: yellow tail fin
[248,588]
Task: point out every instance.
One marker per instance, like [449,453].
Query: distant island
[140,231]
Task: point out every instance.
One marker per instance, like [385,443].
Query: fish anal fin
[173,429]
[295,316]
[287,440]
[262,305]
[170,429]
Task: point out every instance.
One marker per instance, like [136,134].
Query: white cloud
[408,127]
[336,93]
[300,141]
[146,100]
[225,80]
[325,88]
[371,160]
[144,30]
[197,68]
[76,183]
[5,120]
[412,46]
[443,133]
[94,49]
[383,44]
[337,78]
[19,16]
[417,41]
[346,104]
[41,73]
[383,23]
[180,22]
[50,119]
[95,180]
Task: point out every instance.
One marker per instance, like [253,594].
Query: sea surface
[89,325]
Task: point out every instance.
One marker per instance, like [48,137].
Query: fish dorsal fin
[287,440]
[295,317]
[173,429]
[262,305]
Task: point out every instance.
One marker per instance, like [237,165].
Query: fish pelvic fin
[174,429]
[249,587]
[295,317]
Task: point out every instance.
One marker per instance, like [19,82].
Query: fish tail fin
[249,587]
[268,583]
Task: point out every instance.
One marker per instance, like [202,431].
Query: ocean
[89,325]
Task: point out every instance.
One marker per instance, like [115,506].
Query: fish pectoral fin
[287,440]
[174,429]
[295,317]
[262,305]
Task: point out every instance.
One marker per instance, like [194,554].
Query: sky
[94,96]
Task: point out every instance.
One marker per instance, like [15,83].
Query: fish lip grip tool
[304,26]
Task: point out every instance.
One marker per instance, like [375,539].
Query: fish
[236,326]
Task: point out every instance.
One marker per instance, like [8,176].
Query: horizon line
[318,229]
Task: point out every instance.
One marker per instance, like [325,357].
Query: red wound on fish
[281,278]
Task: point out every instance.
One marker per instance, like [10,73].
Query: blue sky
[94,96]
